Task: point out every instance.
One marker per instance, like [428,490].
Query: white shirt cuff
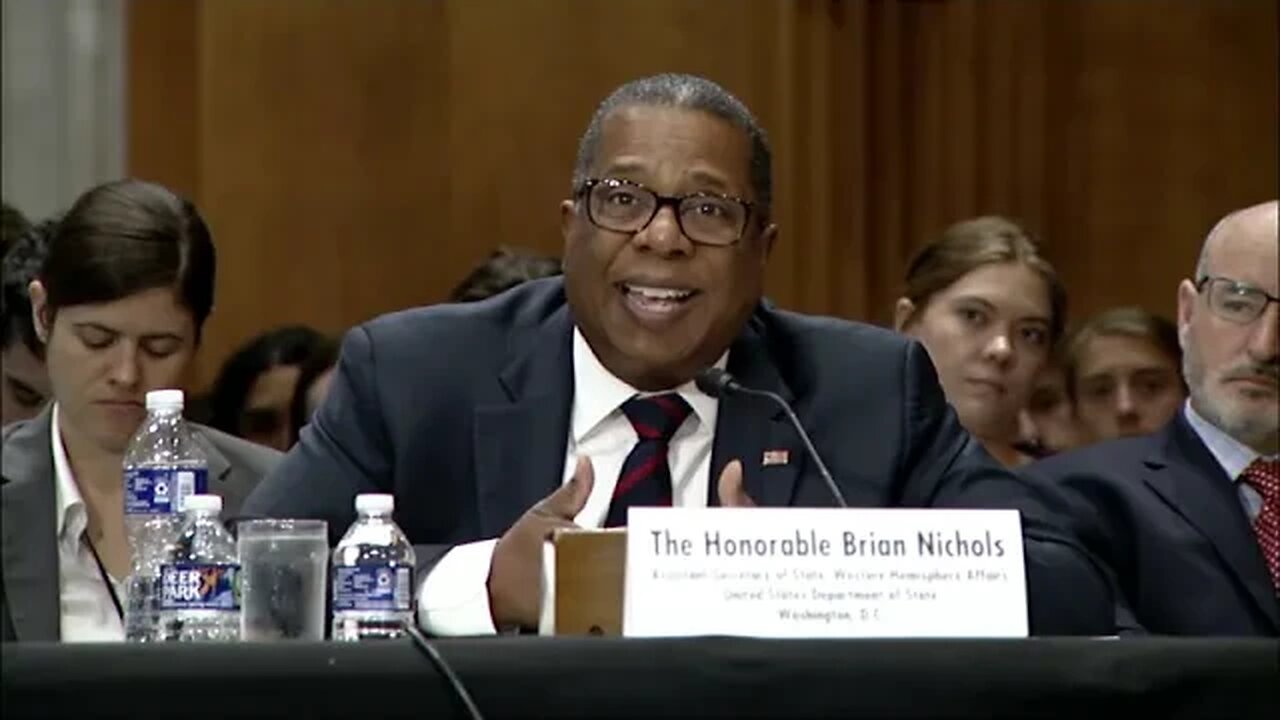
[454,598]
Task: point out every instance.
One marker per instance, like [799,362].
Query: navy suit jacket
[462,411]
[1170,524]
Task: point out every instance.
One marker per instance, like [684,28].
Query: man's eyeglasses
[628,207]
[1234,301]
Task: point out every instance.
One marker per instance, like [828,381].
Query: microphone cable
[427,648]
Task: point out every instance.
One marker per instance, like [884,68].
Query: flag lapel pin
[775,457]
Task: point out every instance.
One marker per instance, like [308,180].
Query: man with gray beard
[1188,518]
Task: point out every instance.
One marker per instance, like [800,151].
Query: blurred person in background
[988,308]
[119,304]
[253,393]
[1123,372]
[504,269]
[1048,424]
[24,387]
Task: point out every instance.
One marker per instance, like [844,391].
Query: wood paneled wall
[359,156]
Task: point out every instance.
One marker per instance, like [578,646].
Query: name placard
[802,572]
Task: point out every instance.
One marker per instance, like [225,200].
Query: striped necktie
[645,479]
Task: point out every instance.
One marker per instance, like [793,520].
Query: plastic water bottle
[162,466]
[199,581]
[372,575]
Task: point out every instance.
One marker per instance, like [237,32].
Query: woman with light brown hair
[988,308]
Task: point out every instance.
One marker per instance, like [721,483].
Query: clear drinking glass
[284,568]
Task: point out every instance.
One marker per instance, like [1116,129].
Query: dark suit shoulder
[1107,459]
[430,360]
[1104,481]
[816,351]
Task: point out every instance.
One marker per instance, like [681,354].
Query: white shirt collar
[1233,455]
[598,393]
[72,514]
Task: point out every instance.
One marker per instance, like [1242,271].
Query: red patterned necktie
[645,478]
[1264,476]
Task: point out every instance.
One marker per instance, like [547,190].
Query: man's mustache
[1255,371]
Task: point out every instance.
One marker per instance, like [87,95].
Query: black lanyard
[106,578]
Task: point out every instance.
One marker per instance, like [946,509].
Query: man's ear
[903,311]
[568,214]
[768,237]
[1187,295]
[39,307]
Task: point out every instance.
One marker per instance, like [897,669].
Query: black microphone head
[713,381]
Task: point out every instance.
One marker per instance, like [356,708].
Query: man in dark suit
[1189,517]
[566,401]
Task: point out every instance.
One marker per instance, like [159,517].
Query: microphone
[718,383]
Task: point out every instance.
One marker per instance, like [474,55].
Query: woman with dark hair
[988,308]
[253,393]
[119,305]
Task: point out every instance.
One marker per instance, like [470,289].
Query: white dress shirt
[454,598]
[86,611]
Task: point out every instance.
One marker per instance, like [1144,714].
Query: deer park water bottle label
[160,490]
[200,586]
[373,588]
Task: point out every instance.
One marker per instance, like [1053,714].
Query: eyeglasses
[628,207]
[1235,301]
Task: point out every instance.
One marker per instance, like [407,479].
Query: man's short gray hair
[692,93]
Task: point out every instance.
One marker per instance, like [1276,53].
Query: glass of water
[284,568]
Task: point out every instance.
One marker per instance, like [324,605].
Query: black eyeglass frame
[1235,285]
[661,201]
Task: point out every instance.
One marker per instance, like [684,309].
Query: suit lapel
[1189,478]
[520,437]
[747,428]
[30,552]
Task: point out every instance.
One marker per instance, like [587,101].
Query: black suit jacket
[1170,523]
[462,411]
[29,605]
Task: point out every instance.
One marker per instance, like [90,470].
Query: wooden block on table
[590,570]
